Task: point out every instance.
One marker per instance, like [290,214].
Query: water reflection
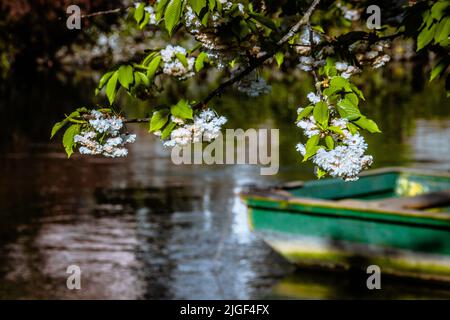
[142,227]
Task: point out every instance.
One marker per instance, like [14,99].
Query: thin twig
[101,13]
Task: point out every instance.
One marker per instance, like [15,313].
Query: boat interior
[401,189]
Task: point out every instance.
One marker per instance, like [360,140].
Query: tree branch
[253,64]
[258,62]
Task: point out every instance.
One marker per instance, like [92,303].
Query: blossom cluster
[104,136]
[173,66]
[206,126]
[371,54]
[347,159]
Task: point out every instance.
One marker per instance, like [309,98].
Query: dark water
[142,227]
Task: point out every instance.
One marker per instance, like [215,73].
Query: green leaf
[199,61]
[352,128]
[357,91]
[139,12]
[145,21]
[212,4]
[143,78]
[159,119]
[103,81]
[197,5]
[329,142]
[311,147]
[339,82]
[348,110]
[68,136]
[168,130]
[111,87]
[353,98]
[153,67]
[336,130]
[305,112]
[58,126]
[441,66]
[182,59]
[149,58]
[161,5]
[321,113]
[126,76]
[172,15]
[320,173]
[425,36]
[182,110]
[279,58]
[367,124]
[438,9]
[205,19]
[442,30]
[331,90]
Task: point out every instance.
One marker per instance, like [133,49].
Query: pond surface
[144,228]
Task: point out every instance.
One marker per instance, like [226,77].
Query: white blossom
[206,126]
[105,137]
[314,98]
[173,66]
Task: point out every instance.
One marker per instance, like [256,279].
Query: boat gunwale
[289,202]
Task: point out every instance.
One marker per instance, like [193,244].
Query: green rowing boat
[398,219]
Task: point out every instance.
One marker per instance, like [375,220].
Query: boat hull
[334,234]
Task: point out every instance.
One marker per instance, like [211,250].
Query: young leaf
[279,58]
[126,76]
[168,130]
[139,12]
[103,81]
[145,21]
[321,113]
[339,82]
[160,8]
[197,5]
[320,173]
[143,78]
[441,66]
[182,59]
[153,67]
[111,87]
[425,36]
[159,119]
[353,98]
[358,92]
[199,61]
[182,110]
[352,128]
[329,142]
[311,147]
[172,15]
[58,126]
[367,124]
[68,136]
[348,110]
[335,129]
[305,112]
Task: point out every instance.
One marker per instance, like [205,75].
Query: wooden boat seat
[419,202]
